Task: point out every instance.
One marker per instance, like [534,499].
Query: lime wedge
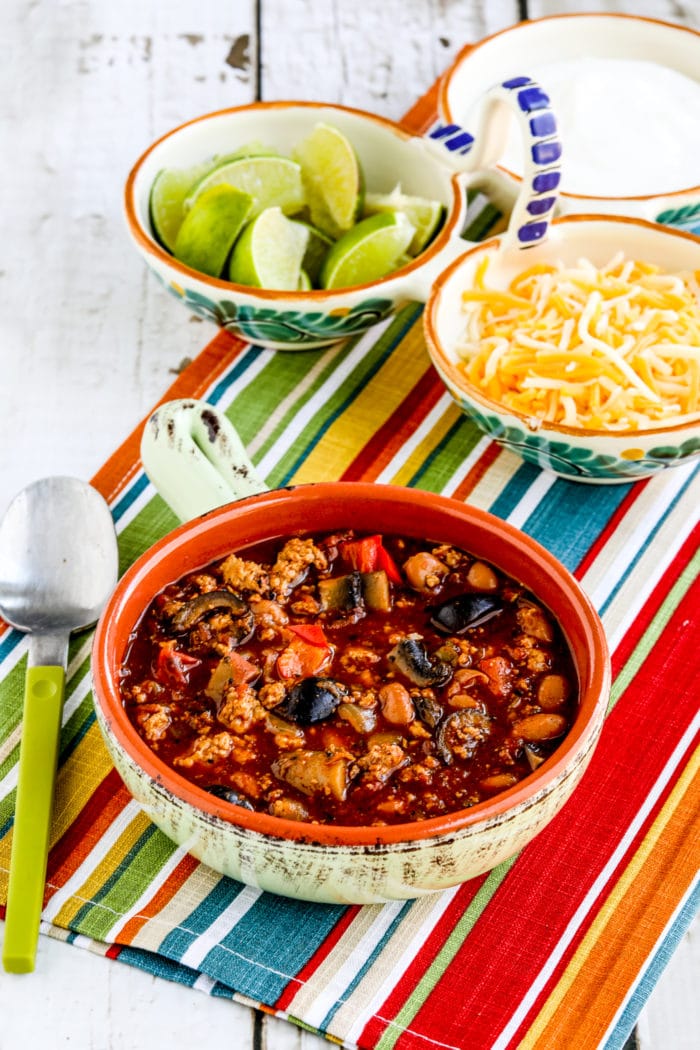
[332,179]
[166,202]
[370,250]
[426,215]
[271,181]
[316,250]
[269,252]
[210,228]
[304,281]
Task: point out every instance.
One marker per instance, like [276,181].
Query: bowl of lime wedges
[297,224]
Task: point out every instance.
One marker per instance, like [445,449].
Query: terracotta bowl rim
[112,634]
[446,367]
[314,296]
[583,198]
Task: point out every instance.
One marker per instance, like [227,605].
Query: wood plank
[85,88]
[683,13]
[378,57]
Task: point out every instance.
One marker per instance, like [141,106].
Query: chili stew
[350,679]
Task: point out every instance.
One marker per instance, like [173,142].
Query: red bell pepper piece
[386,562]
[241,670]
[370,554]
[309,632]
[362,554]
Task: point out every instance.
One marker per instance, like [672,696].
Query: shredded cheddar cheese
[611,348]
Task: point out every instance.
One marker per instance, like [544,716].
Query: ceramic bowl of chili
[329,861]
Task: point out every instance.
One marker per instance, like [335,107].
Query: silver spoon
[58,566]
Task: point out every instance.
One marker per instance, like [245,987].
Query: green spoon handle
[41,728]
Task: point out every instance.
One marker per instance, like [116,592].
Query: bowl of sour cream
[626,91]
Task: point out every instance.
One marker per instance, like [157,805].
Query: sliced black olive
[411,658]
[227,794]
[311,700]
[194,610]
[461,734]
[457,615]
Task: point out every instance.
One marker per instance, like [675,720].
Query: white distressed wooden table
[89,341]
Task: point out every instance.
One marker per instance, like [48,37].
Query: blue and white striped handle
[522,98]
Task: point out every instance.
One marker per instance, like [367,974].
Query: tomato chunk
[173,666]
[301,659]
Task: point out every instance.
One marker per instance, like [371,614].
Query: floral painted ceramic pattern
[290,327]
[579,461]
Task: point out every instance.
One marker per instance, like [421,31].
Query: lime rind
[167,200]
[426,215]
[269,252]
[369,251]
[271,181]
[211,227]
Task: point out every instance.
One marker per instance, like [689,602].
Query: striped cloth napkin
[558,947]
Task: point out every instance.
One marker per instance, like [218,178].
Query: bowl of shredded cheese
[581,355]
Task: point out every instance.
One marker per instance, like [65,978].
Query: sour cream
[629,128]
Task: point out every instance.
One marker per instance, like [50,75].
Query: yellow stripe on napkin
[353,429]
[105,869]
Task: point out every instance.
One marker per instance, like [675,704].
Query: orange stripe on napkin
[163,895]
[485,461]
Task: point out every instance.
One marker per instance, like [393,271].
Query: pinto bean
[552,691]
[424,571]
[498,781]
[397,706]
[288,809]
[482,577]
[540,727]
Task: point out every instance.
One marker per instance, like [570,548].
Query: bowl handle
[523,98]
[195,459]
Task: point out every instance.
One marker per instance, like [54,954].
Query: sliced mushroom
[461,733]
[460,614]
[315,772]
[194,610]
[410,657]
[311,700]
[428,709]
